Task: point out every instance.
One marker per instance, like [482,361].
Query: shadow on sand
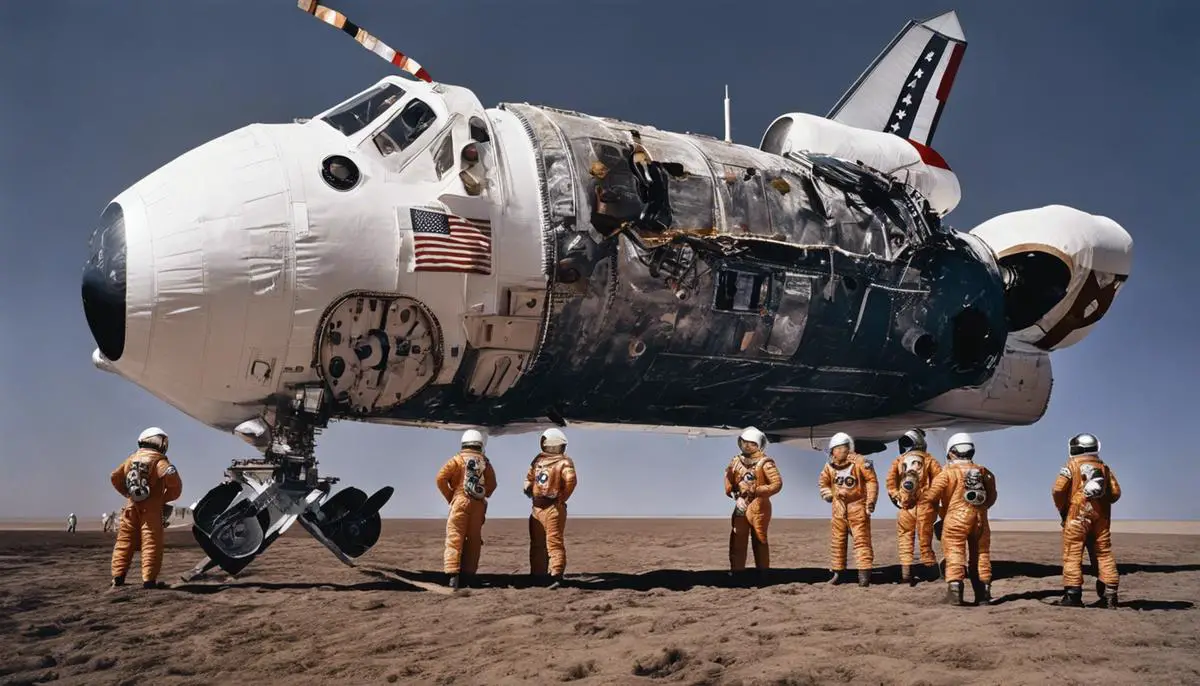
[684,580]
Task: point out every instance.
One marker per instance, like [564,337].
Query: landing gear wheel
[352,521]
[239,539]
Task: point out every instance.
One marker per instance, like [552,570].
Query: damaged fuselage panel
[693,282]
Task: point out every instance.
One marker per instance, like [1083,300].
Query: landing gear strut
[261,498]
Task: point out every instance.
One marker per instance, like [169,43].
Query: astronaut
[1084,493]
[848,481]
[911,473]
[148,481]
[110,521]
[962,494]
[549,484]
[72,520]
[466,481]
[751,479]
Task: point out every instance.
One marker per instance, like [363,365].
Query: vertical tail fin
[906,87]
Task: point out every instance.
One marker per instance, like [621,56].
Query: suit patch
[867,464]
[170,470]
[1065,473]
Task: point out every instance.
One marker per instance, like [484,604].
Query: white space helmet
[153,438]
[553,437]
[472,436]
[840,438]
[150,433]
[961,444]
[753,435]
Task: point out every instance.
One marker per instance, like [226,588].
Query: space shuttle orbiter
[411,257]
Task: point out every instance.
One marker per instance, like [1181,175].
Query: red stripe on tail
[947,83]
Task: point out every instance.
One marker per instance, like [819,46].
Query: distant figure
[1084,493]
[466,481]
[963,493]
[751,479]
[149,481]
[848,481]
[110,521]
[549,483]
[72,520]
[911,474]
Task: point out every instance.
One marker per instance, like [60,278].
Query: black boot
[1100,589]
[906,576]
[836,578]
[1072,597]
[983,592]
[452,582]
[117,581]
[864,577]
[1110,598]
[954,593]
[556,581]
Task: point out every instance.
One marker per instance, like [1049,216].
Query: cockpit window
[351,117]
[413,120]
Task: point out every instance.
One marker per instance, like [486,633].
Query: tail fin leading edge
[905,89]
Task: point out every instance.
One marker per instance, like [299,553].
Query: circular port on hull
[920,344]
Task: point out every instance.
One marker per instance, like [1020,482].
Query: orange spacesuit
[149,482]
[911,474]
[962,494]
[1084,493]
[751,479]
[466,481]
[848,481]
[549,483]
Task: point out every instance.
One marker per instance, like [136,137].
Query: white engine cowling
[906,161]
[1062,270]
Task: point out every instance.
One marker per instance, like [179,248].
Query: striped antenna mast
[339,21]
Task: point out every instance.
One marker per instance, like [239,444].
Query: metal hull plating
[729,286]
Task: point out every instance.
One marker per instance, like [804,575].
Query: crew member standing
[467,480]
[962,494]
[549,483]
[72,520]
[848,481]
[911,473]
[1084,493]
[751,479]
[148,481]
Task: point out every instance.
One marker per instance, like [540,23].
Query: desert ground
[647,602]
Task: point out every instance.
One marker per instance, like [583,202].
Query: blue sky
[1088,104]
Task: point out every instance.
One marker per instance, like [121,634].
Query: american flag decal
[913,93]
[449,243]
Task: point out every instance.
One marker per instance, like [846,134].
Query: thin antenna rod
[727,138]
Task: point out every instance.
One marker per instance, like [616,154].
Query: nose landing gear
[238,520]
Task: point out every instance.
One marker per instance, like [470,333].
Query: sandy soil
[297,616]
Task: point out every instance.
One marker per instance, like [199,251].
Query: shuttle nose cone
[104,284]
